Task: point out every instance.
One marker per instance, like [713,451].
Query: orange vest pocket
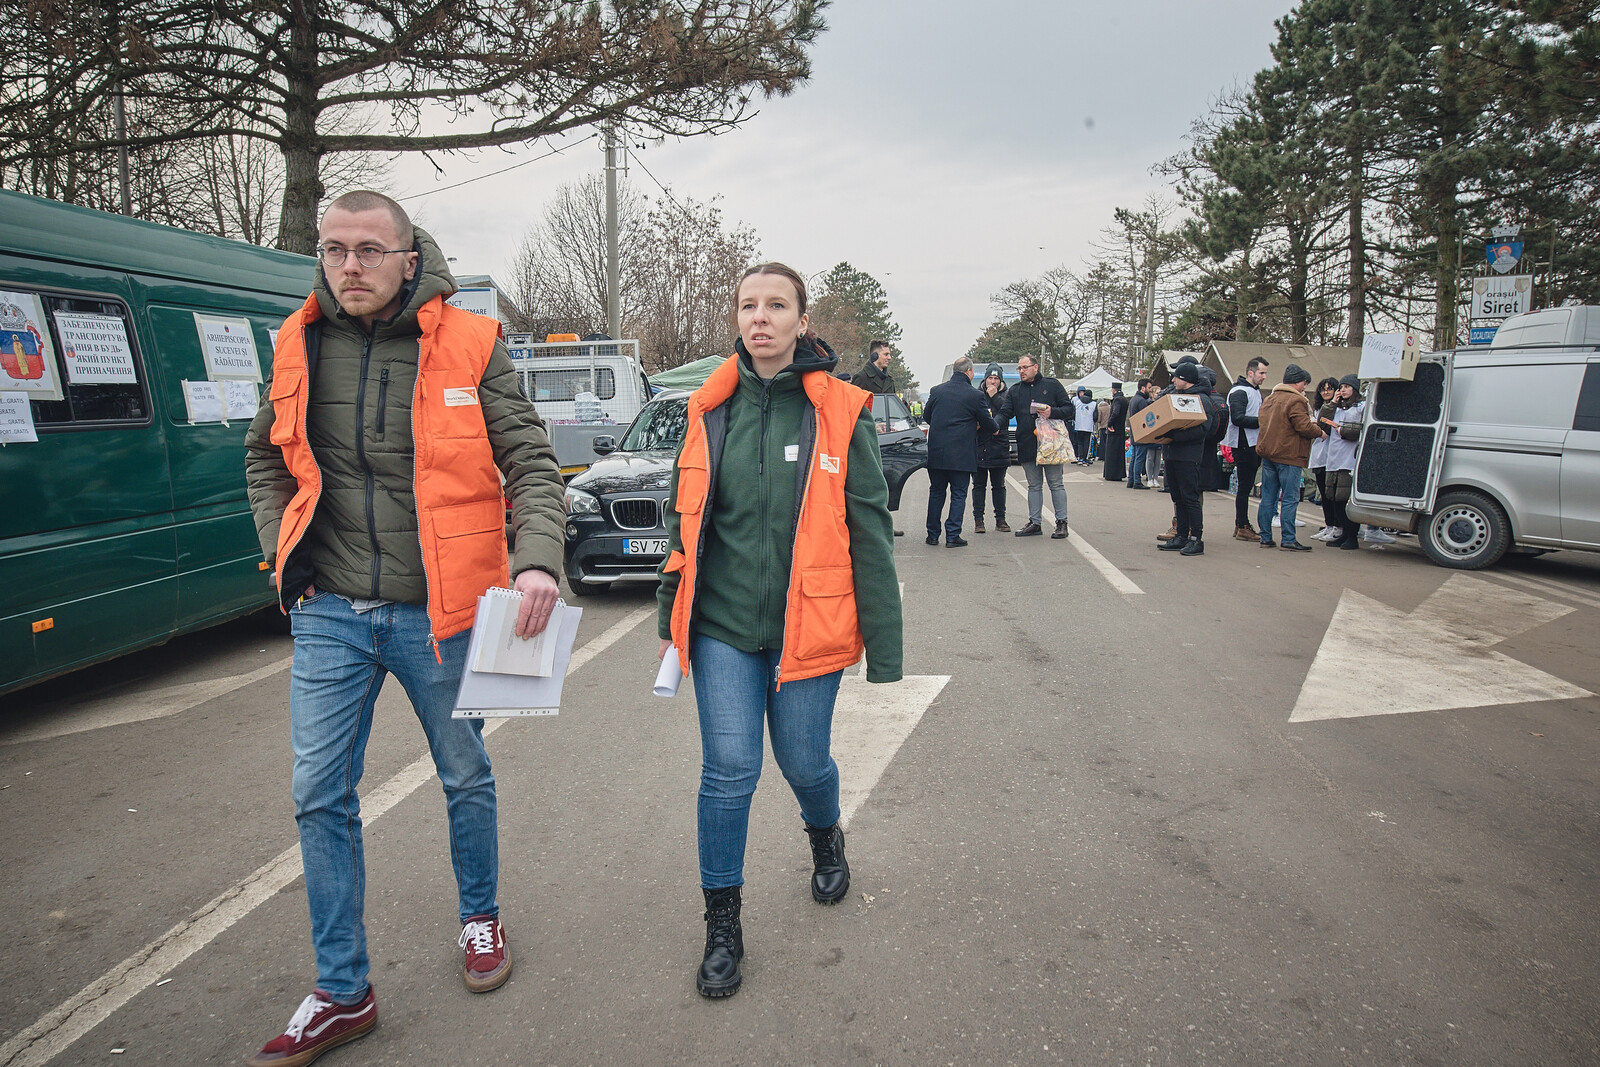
[827,623]
[472,541]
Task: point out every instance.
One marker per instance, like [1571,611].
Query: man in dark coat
[1026,400]
[955,414]
[1184,452]
[1144,456]
[874,377]
[1113,439]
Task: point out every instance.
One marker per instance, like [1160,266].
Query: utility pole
[613,265]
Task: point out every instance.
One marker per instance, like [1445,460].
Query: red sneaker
[488,962]
[318,1025]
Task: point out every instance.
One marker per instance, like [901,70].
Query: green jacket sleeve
[525,457]
[866,512]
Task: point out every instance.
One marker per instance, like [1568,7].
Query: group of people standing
[1277,435]
[967,442]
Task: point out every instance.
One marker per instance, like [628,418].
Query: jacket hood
[433,278]
[810,353]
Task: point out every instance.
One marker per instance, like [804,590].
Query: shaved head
[359,200]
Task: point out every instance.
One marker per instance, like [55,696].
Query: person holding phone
[779,574]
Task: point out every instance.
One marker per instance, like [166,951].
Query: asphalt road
[1126,830]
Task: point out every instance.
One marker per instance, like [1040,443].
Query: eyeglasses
[334,256]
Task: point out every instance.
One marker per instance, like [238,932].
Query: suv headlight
[581,503]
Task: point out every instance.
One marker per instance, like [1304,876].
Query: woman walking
[994,454]
[779,572]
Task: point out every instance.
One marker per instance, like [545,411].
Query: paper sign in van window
[241,400]
[16,419]
[229,347]
[96,348]
[27,357]
[204,402]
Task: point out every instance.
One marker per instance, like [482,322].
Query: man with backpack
[1184,451]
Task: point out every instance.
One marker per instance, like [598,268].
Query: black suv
[616,529]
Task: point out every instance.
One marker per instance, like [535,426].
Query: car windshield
[659,427]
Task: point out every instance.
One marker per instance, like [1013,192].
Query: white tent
[1098,382]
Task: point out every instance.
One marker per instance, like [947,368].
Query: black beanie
[1189,372]
[1295,373]
[1352,380]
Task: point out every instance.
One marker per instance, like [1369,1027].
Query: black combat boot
[831,879]
[719,972]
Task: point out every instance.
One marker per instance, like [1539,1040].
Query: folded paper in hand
[496,693]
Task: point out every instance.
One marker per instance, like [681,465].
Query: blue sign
[1503,255]
[1481,335]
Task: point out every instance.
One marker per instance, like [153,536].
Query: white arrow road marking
[123,707]
[1374,660]
[1548,587]
[870,723]
[1108,570]
[61,1026]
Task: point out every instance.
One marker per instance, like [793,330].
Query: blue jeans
[736,693]
[1037,474]
[1136,464]
[1280,494]
[340,660]
[956,482]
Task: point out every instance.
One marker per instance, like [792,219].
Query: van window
[566,384]
[1587,417]
[88,404]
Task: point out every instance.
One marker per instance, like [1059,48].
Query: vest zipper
[383,400]
[788,595]
[761,481]
[361,459]
[422,549]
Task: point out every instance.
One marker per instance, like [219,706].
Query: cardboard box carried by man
[1175,411]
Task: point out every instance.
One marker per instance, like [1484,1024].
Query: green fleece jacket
[363,540]
[749,538]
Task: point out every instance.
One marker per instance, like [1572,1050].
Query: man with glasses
[1034,397]
[374,468]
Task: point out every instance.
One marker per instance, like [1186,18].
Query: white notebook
[486,694]
[500,650]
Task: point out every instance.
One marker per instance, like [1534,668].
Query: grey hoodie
[363,541]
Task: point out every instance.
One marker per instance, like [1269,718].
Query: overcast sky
[945,148]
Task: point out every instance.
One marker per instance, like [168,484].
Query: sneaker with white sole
[319,1024]
[1329,534]
[1374,536]
[488,961]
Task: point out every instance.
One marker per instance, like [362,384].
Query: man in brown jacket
[1284,445]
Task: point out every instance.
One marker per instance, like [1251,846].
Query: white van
[1490,446]
[556,374]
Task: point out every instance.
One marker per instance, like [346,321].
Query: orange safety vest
[460,506]
[821,633]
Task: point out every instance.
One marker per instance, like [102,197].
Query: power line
[664,190]
[491,174]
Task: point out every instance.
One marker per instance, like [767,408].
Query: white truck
[561,374]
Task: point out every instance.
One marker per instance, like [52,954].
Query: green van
[131,358]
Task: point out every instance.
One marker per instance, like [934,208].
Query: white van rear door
[1580,466]
[1403,438]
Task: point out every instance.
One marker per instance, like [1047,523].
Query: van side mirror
[604,444]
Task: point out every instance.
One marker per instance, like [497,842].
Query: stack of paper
[506,675]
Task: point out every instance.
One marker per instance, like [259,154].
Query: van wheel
[580,587]
[1467,531]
